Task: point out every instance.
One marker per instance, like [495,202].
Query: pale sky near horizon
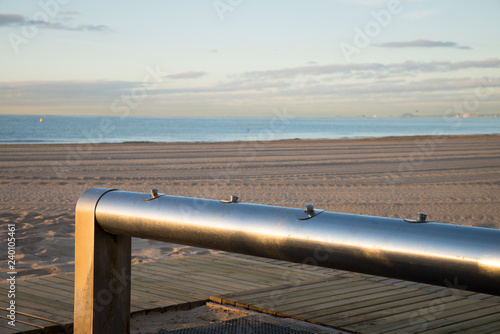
[250,57]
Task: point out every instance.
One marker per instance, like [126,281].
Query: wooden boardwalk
[348,301]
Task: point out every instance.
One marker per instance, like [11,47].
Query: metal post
[102,272]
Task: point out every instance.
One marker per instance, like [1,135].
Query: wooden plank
[254,275]
[199,280]
[28,290]
[298,290]
[297,299]
[63,283]
[342,307]
[189,273]
[148,282]
[339,299]
[406,317]
[33,322]
[150,293]
[8,329]
[43,303]
[250,294]
[22,326]
[464,319]
[316,310]
[302,267]
[137,304]
[34,311]
[358,311]
[51,285]
[145,276]
[274,262]
[35,319]
[491,325]
[262,267]
[214,279]
[244,277]
[47,292]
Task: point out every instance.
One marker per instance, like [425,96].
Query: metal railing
[415,250]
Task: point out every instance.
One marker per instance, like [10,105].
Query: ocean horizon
[36,129]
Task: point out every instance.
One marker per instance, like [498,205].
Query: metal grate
[246,325]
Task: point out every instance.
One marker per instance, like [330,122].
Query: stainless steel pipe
[443,254]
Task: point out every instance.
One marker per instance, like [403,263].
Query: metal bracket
[421,218]
[234,199]
[310,212]
[154,195]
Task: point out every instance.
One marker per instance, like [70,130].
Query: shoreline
[263,141]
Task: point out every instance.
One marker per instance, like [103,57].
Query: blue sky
[248,58]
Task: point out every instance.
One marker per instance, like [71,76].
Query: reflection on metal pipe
[443,254]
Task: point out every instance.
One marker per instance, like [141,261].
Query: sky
[317,58]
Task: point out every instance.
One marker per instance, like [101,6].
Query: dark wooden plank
[35,319]
[189,273]
[413,315]
[49,292]
[171,276]
[150,293]
[174,289]
[280,264]
[35,322]
[464,319]
[359,310]
[341,308]
[491,324]
[7,329]
[315,308]
[63,283]
[43,303]
[287,302]
[243,277]
[213,279]
[171,281]
[33,310]
[250,294]
[262,267]
[22,326]
[51,286]
[303,288]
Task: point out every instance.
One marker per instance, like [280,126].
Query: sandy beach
[452,179]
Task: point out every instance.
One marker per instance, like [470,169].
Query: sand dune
[452,179]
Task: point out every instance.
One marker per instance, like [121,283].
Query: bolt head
[421,217]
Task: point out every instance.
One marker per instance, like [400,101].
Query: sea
[35,129]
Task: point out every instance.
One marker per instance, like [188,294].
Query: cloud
[313,70]
[66,90]
[186,75]
[423,43]
[11,19]
[18,20]
[375,68]
[75,96]
[490,62]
